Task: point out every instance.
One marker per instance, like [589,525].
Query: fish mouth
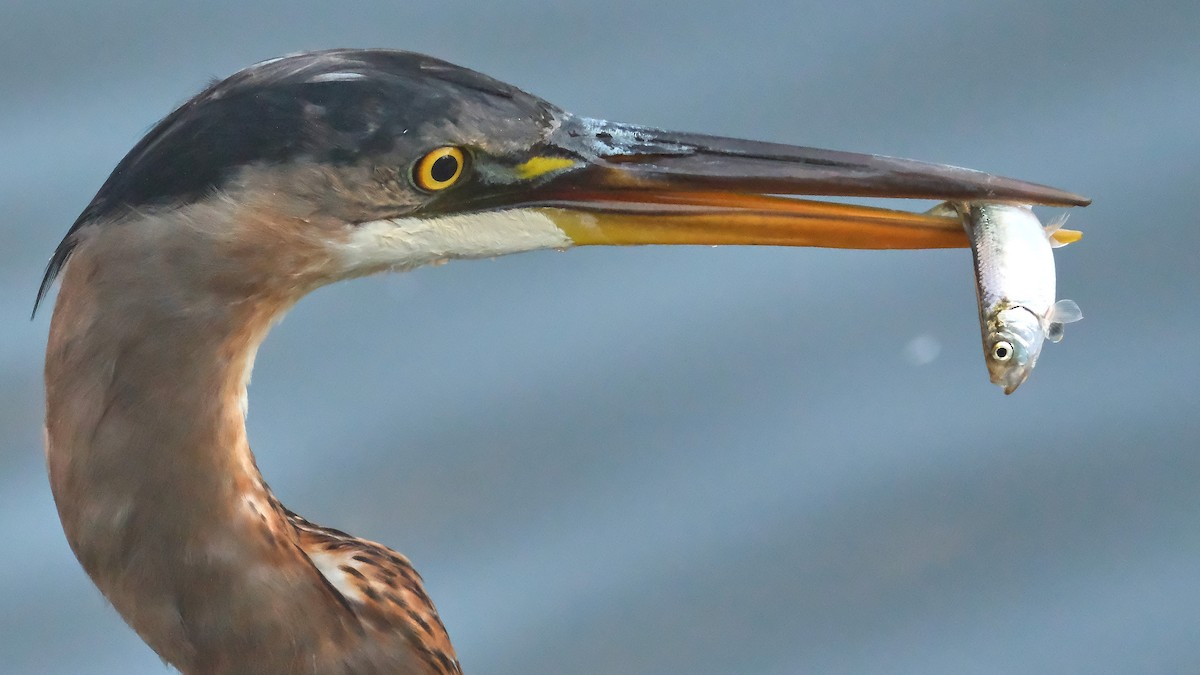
[1020,329]
[1015,379]
[1011,374]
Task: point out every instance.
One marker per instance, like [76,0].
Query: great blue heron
[305,170]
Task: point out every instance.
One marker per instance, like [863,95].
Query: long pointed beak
[635,185]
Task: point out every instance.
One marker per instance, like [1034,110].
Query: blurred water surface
[694,460]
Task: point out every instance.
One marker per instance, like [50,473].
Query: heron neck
[158,492]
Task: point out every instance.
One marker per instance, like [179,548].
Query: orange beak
[624,185]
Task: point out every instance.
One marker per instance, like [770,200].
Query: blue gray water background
[669,460]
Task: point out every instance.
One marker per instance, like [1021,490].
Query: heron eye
[439,169]
[1002,351]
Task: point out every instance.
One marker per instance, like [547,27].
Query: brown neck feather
[151,343]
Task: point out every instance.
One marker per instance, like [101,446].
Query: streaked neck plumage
[154,480]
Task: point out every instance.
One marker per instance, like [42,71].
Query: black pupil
[443,168]
[1001,352]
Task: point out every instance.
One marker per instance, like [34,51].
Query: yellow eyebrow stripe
[537,166]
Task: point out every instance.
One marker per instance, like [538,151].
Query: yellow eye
[439,169]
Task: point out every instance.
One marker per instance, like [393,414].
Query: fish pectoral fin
[1065,311]
[1062,313]
[1054,332]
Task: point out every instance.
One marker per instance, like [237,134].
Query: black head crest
[335,106]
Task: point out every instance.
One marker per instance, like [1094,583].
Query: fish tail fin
[946,210]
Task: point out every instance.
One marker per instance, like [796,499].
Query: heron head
[318,166]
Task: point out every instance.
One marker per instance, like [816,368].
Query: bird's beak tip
[639,185]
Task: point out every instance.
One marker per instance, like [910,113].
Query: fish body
[1015,286]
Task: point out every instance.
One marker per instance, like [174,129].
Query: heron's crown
[336,107]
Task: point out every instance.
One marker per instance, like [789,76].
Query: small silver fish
[1014,282]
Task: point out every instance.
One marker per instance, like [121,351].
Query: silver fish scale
[1013,260]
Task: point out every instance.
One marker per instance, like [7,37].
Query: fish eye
[1002,350]
[439,169]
